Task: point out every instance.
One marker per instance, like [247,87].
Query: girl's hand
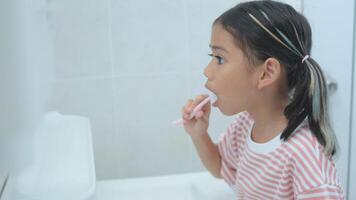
[199,124]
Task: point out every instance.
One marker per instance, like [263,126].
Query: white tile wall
[81,38]
[145,141]
[2,180]
[148,36]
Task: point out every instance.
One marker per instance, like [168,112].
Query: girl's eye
[220,59]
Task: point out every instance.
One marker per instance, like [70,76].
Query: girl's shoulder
[310,166]
[242,119]
[303,142]
[238,129]
[306,152]
[242,123]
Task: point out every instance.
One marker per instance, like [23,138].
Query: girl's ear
[270,72]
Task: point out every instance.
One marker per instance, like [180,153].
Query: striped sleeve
[322,192]
[228,155]
[315,175]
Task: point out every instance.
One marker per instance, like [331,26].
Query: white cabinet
[63,165]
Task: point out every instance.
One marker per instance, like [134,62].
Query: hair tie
[305,57]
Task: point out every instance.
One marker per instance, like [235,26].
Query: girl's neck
[269,121]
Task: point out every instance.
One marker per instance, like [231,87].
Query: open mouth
[215,103]
[213,95]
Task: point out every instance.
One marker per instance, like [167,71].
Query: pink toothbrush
[211,97]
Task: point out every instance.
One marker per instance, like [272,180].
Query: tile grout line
[111,56]
[120,76]
[187,72]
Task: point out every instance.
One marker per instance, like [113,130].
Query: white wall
[332,24]
[25,77]
[352,171]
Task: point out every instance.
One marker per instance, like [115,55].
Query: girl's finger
[197,100]
[199,114]
[189,105]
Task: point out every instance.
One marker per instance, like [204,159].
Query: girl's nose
[207,72]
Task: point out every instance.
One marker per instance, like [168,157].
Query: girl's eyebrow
[214,47]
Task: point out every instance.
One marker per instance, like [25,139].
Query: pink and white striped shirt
[295,169]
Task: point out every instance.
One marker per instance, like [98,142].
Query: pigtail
[309,99]
[318,114]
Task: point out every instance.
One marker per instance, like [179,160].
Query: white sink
[63,167]
[188,186]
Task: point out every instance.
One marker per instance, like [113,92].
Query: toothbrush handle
[178,122]
[199,107]
[195,110]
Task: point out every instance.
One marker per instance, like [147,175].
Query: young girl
[281,144]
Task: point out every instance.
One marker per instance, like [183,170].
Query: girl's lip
[206,86]
[215,103]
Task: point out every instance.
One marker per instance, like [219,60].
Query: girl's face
[229,74]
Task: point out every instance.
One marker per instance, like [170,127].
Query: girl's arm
[208,153]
